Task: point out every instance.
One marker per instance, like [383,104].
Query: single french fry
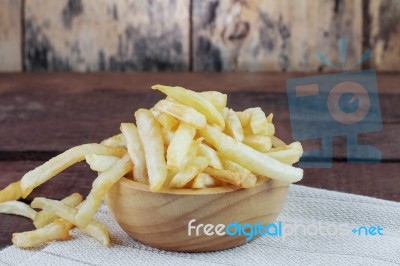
[135,150]
[46,171]
[58,230]
[167,136]
[209,153]
[244,118]
[11,192]
[247,131]
[204,180]
[288,154]
[117,141]
[195,100]
[44,217]
[100,163]
[182,112]
[258,121]
[233,125]
[100,186]
[270,117]
[234,167]
[94,229]
[196,166]
[17,208]
[258,163]
[98,231]
[244,180]
[270,130]
[258,142]
[153,146]
[167,121]
[180,145]
[276,142]
[217,98]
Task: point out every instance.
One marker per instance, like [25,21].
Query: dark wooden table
[42,115]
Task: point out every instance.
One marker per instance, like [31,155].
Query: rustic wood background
[194,35]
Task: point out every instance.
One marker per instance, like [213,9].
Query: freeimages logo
[340,104]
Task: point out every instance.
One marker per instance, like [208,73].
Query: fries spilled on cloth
[189,140]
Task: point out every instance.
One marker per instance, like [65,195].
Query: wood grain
[261,35]
[161,220]
[10,36]
[120,35]
[35,112]
[385,34]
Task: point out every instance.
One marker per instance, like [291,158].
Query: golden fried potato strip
[245,180]
[153,146]
[195,100]
[94,229]
[100,186]
[46,171]
[58,230]
[11,192]
[17,208]
[258,163]
[44,217]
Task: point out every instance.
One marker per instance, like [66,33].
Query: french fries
[288,154]
[44,217]
[258,142]
[234,167]
[258,121]
[189,140]
[257,162]
[184,176]
[216,98]
[244,118]
[11,192]
[211,155]
[235,178]
[100,163]
[196,100]
[17,208]
[182,112]
[276,142]
[43,173]
[167,121]
[94,228]
[116,141]
[179,146]
[135,150]
[58,230]
[204,180]
[99,188]
[233,125]
[153,145]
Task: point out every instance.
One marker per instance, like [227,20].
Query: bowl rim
[189,191]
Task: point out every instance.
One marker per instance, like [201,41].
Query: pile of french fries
[188,140]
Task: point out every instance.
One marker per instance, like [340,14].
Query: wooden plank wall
[198,35]
[10,35]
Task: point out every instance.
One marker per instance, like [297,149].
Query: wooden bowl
[161,219]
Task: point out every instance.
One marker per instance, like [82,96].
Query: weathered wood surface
[384,39]
[85,35]
[36,109]
[42,114]
[10,36]
[273,35]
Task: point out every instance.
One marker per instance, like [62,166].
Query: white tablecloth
[304,206]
